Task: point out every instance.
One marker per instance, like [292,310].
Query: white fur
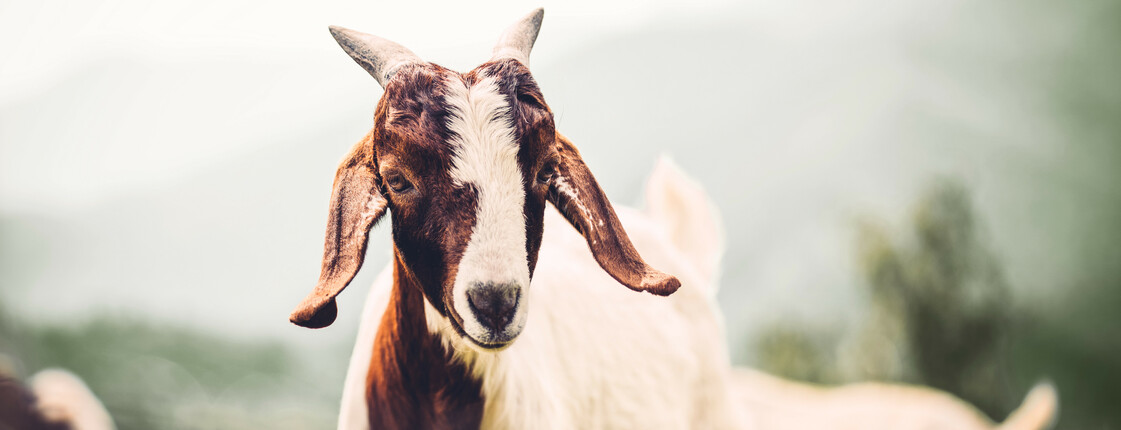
[354,413]
[485,157]
[593,354]
[573,199]
[679,204]
[781,404]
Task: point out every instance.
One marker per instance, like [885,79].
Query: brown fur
[593,216]
[18,409]
[354,210]
[413,382]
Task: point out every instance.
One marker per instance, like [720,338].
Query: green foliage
[942,300]
[163,377]
[939,312]
[793,353]
[1078,347]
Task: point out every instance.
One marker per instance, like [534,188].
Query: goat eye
[546,173]
[398,183]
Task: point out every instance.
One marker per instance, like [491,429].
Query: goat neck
[413,381]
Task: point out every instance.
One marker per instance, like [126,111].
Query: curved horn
[378,56]
[517,40]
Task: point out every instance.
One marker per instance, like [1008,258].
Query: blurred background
[915,191]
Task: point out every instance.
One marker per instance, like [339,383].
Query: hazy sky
[174,159]
[192,82]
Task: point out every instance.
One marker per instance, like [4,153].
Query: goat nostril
[493,304]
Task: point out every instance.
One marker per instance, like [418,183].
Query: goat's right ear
[577,195]
[356,204]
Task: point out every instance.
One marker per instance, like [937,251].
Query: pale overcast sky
[154,155]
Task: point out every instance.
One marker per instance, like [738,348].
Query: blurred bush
[153,376]
[940,313]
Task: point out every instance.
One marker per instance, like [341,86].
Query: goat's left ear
[577,195]
[356,204]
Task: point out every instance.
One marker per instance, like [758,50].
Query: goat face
[465,162]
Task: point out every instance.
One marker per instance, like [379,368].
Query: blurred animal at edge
[52,399]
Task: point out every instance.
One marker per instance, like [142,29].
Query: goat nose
[493,303]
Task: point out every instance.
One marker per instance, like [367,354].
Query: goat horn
[378,56]
[517,40]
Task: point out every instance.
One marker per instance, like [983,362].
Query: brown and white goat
[465,163]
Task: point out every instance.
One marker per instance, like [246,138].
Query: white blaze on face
[486,158]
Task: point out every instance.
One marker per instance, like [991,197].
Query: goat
[465,163]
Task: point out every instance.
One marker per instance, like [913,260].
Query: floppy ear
[356,204]
[575,193]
